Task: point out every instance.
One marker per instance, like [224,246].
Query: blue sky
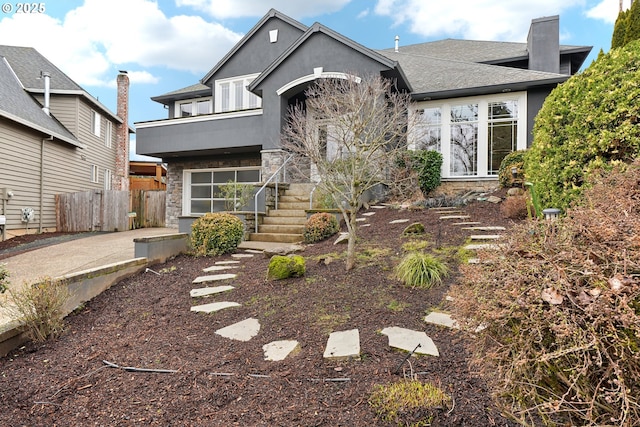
[169,44]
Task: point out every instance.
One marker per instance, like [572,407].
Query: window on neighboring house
[193,107]
[203,191]
[108,134]
[473,134]
[107,179]
[232,94]
[95,122]
[95,173]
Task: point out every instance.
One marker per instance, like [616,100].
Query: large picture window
[193,107]
[232,94]
[203,192]
[473,134]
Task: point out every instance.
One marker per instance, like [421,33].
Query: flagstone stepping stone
[455,217]
[241,331]
[486,228]
[368,213]
[214,278]
[475,247]
[361,219]
[398,221]
[406,339]
[218,268]
[279,350]
[213,307]
[342,238]
[473,261]
[467,223]
[201,292]
[485,237]
[442,319]
[365,225]
[343,345]
[450,212]
[443,208]
[252,251]
[241,255]
[226,262]
[378,207]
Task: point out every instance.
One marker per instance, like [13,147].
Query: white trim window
[95,122]
[95,173]
[232,94]
[108,175]
[202,187]
[473,134]
[193,107]
[108,134]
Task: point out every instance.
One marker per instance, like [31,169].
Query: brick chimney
[121,175]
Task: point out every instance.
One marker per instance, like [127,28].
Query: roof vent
[397,41]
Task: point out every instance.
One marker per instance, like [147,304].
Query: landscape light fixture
[551,214]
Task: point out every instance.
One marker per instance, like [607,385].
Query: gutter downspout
[42,181]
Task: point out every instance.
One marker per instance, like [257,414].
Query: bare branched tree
[348,134]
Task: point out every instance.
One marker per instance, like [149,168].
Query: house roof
[18,106]
[271,14]
[27,64]
[433,77]
[192,91]
[319,28]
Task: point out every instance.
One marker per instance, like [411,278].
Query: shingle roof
[17,105]
[185,92]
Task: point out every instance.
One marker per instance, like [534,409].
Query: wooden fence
[109,210]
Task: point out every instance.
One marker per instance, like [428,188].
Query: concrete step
[286,198]
[288,213]
[283,205]
[299,189]
[281,228]
[284,220]
[275,237]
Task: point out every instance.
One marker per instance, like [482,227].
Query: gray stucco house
[478,98]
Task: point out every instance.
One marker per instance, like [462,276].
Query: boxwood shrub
[216,233]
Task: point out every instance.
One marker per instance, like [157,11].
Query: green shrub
[408,402]
[4,278]
[216,234]
[320,226]
[428,166]
[420,270]
[283,267]
[506,179]
[40,306]
[587,123]
[560,308]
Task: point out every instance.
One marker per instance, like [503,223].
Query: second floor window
[232,94]
[193,107]
[95,122]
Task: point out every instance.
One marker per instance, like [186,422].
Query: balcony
[211,134]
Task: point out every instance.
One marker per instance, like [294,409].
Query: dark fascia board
[319,28]
[580,52]
[488,90]
[171,97]
[42,130]
[271,14]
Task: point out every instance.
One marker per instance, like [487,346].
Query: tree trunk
[351,243]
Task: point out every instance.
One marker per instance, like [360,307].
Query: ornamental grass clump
[320,226]
[420,270]
[560,308]
[216,234]
[408,402]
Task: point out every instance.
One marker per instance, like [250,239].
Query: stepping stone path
[202,292]
[214,306]
[408,340]
[485,237]
[442,319]
[241,331]
[279,350]
[226,262]
[343,345]
[398,221]
[218,268]
[368,213]
[214,278]
[241,255]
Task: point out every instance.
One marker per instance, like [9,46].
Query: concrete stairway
[286,224]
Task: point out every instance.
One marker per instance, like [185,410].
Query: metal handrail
[276,174]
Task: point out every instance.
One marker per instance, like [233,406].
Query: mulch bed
[145,322]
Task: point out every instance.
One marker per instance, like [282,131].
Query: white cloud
[298,9]
[471,19]
[97,38]
[607,10]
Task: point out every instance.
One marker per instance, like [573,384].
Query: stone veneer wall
[175,174]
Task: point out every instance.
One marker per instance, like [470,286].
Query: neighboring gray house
[478,100]
[54,138]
